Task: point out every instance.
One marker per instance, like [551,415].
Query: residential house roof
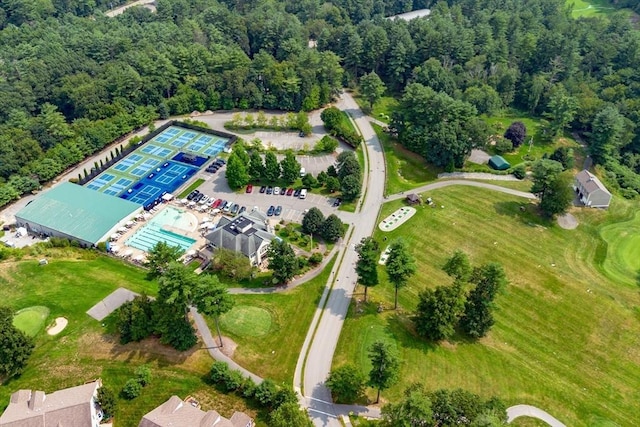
[70,407]
[176,413]
[590,182]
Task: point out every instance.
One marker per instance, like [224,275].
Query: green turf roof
[77,211]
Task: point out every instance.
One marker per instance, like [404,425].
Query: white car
[276,191]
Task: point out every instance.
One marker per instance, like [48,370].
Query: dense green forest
[72,79]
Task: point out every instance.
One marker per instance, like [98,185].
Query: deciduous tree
[477,318]
[385,367]
[400,266]
[282,261]
[438,312]
[312,221]
[372,88]
[516,133]
[15,346]
[414,410]
[331,229]
[271,167]
[256,166]
[458,266]
[236,173]
[212,299]
[290,167]
[367,264]
[159,257]
[347,384]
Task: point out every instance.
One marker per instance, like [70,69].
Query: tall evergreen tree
[367,265]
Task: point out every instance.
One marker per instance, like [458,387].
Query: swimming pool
[153,232]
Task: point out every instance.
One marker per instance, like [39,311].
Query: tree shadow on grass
[525,212]
[150,350]
[401,328]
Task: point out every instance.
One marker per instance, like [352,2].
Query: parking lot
[215,186]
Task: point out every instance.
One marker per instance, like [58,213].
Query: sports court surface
[158,167]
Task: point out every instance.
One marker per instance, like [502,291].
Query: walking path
[531,411]
[442,184]
[212,346]
[478,175]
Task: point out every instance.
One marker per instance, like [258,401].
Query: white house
[591,190]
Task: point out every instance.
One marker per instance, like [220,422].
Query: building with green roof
[77,213]
[499,163]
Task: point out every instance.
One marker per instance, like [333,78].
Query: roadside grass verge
[382,109]
[275,354]
[72,282]
[565,337]
[197,183]
[405,170]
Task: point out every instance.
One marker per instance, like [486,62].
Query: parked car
[204,200]
[227,207]
[337,202]
[213,203]
[234,208]
[249,188]
[221,161]
[193,195]
[296,193]
[199,197]
[276,191]
[271,210]
[269,190]
[222,204]
[278,211]
[263,189]
[289,191]
[242,209]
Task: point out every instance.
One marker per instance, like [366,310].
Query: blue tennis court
[149,190]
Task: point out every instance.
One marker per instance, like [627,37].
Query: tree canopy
[15,346]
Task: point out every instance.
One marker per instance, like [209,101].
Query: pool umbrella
[127,253]
[115,248]
[122,229]
[115,236]
[191,252]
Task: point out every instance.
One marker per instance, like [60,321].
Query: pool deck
[138,256]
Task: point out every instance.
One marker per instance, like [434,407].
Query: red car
[249,188]
[216,203]
[289,191]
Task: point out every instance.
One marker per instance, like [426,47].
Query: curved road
[316,356]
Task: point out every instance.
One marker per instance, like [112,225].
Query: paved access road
[120,10]
[322,344]
[533,412]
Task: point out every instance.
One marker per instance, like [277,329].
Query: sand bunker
[567,221]
[58,326]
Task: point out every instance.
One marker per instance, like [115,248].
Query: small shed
[413,199]
[499,163]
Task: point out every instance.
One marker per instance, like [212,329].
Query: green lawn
[589,8]
[382,109]
[499,124]
[566,332]
[275,353]
[72,282]
[405,170]
[31,320]
[197,183]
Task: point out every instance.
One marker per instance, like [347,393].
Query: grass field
[499,124]
[405,170]
[275,354]
[589,8]
[566,333]
[31,320]
[72,282]
[197,183]
[247,321]
[381,109]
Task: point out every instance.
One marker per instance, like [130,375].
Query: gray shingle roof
[70,407]
[176,413]
[590,182]
[244,233]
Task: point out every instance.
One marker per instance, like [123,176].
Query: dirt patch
[229,346]
[58,326]
[568,221]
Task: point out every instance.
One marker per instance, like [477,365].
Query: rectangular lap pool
[153,232]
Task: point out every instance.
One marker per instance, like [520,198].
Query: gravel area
[568,221]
